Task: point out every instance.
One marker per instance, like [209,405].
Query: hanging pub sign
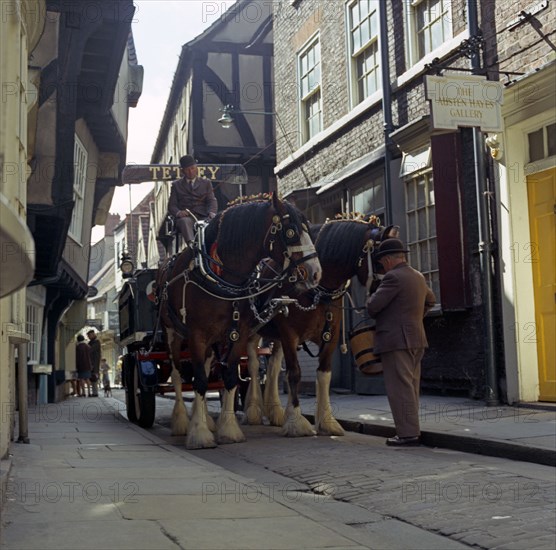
[218,173]
[465,100]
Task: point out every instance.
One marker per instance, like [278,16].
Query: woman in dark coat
[83,366]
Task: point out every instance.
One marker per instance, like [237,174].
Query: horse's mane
[314,231]
[341,241]
[242,226]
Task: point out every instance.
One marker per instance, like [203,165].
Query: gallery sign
[465,100]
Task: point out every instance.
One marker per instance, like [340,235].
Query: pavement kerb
[467,444]
[475,445]
[5,468]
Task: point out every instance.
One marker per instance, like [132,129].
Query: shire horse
[345,250]
[203,302]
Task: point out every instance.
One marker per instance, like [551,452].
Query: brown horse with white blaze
[345,249]
[203,301]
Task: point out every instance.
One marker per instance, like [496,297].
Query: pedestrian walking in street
[105,373]
[398,306]
[83,365]
[94,345]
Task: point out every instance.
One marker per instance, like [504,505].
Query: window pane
[424,257]
[369,200]
[412,226]
[421,192]
[433,254]
[410,197]
[551,139]
[432,220]
[536,145]
[437,35]
[421,224]
[355,15]
[356,40]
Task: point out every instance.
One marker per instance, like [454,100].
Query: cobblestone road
[479,501]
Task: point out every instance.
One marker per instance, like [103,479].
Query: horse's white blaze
[199,436]
[227,427]
[273,409]
[180,420]
[296,425]
[313,264]
[325,423]
[254,398]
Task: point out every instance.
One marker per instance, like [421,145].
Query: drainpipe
[20,340]
[485,237]
[386,107]
[22,393]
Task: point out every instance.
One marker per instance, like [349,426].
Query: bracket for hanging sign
[525,15]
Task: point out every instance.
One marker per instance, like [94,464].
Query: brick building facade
[356,135]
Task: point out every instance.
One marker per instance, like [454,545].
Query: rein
[206,271]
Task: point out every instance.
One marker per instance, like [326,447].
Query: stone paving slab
[202,506]
[272,533]
[86,535]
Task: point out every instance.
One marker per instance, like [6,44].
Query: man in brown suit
[191,199]
[399,305]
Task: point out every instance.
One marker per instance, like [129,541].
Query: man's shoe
[403,441]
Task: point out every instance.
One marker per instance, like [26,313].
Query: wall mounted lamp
[227,120]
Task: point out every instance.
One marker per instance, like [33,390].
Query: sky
[160,28]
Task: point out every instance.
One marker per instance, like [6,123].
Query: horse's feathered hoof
[226,439]
[276,415]
[211,424]
[254,415]
[200,439]
[228,430]
[180,421]
[330,427]
[296,425]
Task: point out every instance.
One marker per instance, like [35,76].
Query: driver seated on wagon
[191,199]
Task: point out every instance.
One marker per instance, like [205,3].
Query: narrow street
[429,497]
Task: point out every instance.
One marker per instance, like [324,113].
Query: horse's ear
[277,203]
[390,232]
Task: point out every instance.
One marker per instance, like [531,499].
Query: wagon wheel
[144,402]
[128,379]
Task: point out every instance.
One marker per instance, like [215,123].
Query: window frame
[33,327]
[354,55]
[414,55]
[418,244]
[80,161]
[315,93]
[373,181]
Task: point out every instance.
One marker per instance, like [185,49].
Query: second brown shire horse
[204,301]
[345,249]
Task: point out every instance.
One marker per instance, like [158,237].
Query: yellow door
[542,216]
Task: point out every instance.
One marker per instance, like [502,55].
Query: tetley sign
[468,100]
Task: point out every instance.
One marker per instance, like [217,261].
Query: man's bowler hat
[187,161]
[389,246]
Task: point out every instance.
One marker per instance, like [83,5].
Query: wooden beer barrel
[362,342]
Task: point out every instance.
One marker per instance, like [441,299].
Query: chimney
[112,220]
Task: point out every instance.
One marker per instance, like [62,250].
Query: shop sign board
[465,100]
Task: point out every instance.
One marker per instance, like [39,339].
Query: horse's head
[379,234]
[290,244]
[346,248]
[265,227]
